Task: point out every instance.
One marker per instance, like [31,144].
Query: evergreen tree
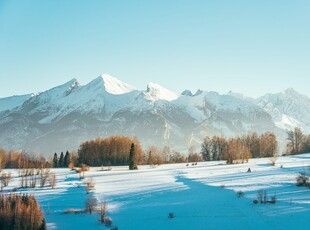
[132,161]
[67,159]
[55,161]
[61,160]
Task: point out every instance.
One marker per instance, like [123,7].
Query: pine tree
[67,159]
[55,161]
[132,161]
[61,160]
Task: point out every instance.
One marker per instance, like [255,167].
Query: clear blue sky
[251,47]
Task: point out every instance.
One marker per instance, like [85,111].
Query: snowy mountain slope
[156,92]
[10,103]
[288,109]
[115,86]
[72,113]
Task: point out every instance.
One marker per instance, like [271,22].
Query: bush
[273,200]
[240,194]
[107,221]
[262,198]
[89,185]
[302,180]
[171,215]
[5,179]
[90,204]
[102,211]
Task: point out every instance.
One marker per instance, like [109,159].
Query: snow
[156,92]
[10,103]
[201,196]
[287,123]
[288,109]
[193,105]
[115,86]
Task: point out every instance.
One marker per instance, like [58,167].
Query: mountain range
[60,118]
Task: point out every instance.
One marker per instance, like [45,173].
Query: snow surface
[201,196]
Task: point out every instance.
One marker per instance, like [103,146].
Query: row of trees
[114,151]
[239,149]
[23,159]
[64,160]
[109,151]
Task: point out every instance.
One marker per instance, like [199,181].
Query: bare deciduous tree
[90,204]
[44,175]
[89,184]
[52,180]
[102,210]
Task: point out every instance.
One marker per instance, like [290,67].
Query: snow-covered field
[200,197]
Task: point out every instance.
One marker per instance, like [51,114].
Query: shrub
[171,215]
[107,221]
[5,179]
[90,204]
[240,194]
[89,185]
[273,200]
[302,180]
[102,211]
[44,175]
[262,198]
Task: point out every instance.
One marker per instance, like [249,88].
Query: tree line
[23,159]
[115,150]
[239,149]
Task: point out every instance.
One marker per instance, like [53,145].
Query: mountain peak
[114,86]
[290,91]
[156,92]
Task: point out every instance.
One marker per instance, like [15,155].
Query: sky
[250,47]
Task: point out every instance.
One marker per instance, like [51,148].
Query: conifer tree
[67,159]
[55,161]
[61,160]
[132,161]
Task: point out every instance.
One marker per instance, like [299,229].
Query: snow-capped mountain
[64,116]
[288,109]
